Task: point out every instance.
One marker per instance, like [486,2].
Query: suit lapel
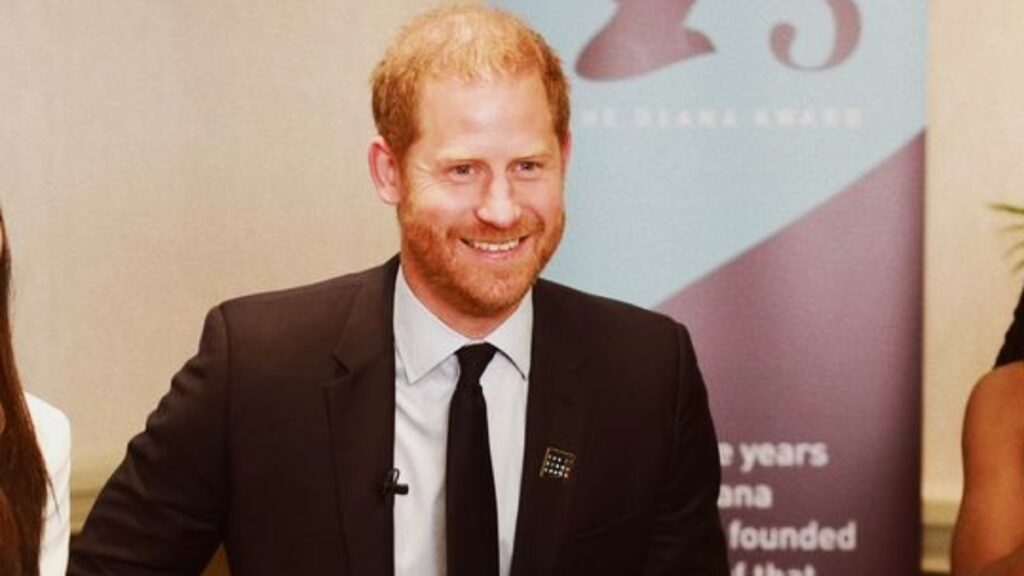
[555,417]
[361,408]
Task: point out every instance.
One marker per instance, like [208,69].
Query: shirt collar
[423,341]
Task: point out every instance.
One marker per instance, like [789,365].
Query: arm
[163,510]
[989,536]
[687,537]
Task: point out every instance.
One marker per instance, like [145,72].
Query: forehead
[451,100]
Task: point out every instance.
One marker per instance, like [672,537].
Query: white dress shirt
[53,433]
[426,372]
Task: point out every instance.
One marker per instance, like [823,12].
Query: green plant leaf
[1008,208]
[1016,228]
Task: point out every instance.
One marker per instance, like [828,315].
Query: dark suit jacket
[275,437]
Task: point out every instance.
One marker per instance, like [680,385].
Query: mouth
[501,247]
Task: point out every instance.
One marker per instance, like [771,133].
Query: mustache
[491,234]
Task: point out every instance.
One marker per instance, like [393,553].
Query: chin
[495,297]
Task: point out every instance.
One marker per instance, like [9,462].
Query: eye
[528,168]
[465,172]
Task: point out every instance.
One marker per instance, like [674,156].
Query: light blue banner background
[654,205]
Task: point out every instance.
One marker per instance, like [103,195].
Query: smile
[494,247]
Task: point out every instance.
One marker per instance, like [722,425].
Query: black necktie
[472,514]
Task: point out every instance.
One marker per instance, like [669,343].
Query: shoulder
[989,524]
[993,430]
[53,434]
[606,331]
[583,310]
[323,305]
[53,431]
[995,408]
[285,327]
[325,292]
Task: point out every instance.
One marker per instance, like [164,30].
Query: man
[358,427]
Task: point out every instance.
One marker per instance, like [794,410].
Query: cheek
[430,196]
[424,207]
[439,213]
[548,204]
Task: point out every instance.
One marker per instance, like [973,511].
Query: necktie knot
[473,360]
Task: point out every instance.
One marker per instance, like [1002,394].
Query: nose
[498,206]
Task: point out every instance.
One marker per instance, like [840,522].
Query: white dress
[53,432]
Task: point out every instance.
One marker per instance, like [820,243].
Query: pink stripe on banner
[811,346]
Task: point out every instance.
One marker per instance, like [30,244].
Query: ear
[385,171]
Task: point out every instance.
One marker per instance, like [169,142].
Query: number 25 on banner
[645,35]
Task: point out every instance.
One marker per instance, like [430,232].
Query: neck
[474,326]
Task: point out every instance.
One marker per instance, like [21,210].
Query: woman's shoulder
[53,434]
[1002,384]
[996,404]
[53,431]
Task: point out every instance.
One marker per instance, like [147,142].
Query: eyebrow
[456,157]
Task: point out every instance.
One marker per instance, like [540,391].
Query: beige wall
[975,157]
[157,157]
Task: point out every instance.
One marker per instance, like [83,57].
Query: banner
[755,170]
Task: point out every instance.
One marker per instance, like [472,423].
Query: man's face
[480,195]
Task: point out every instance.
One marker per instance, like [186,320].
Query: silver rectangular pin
[558,464]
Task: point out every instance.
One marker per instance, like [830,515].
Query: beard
[469,286]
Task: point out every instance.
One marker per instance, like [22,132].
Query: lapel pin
[558,464]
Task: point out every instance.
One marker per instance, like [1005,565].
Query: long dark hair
[23,478]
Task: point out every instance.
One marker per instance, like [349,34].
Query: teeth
[492,247]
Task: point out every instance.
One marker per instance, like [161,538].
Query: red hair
[471,42]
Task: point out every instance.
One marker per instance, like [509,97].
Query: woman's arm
[989,536]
